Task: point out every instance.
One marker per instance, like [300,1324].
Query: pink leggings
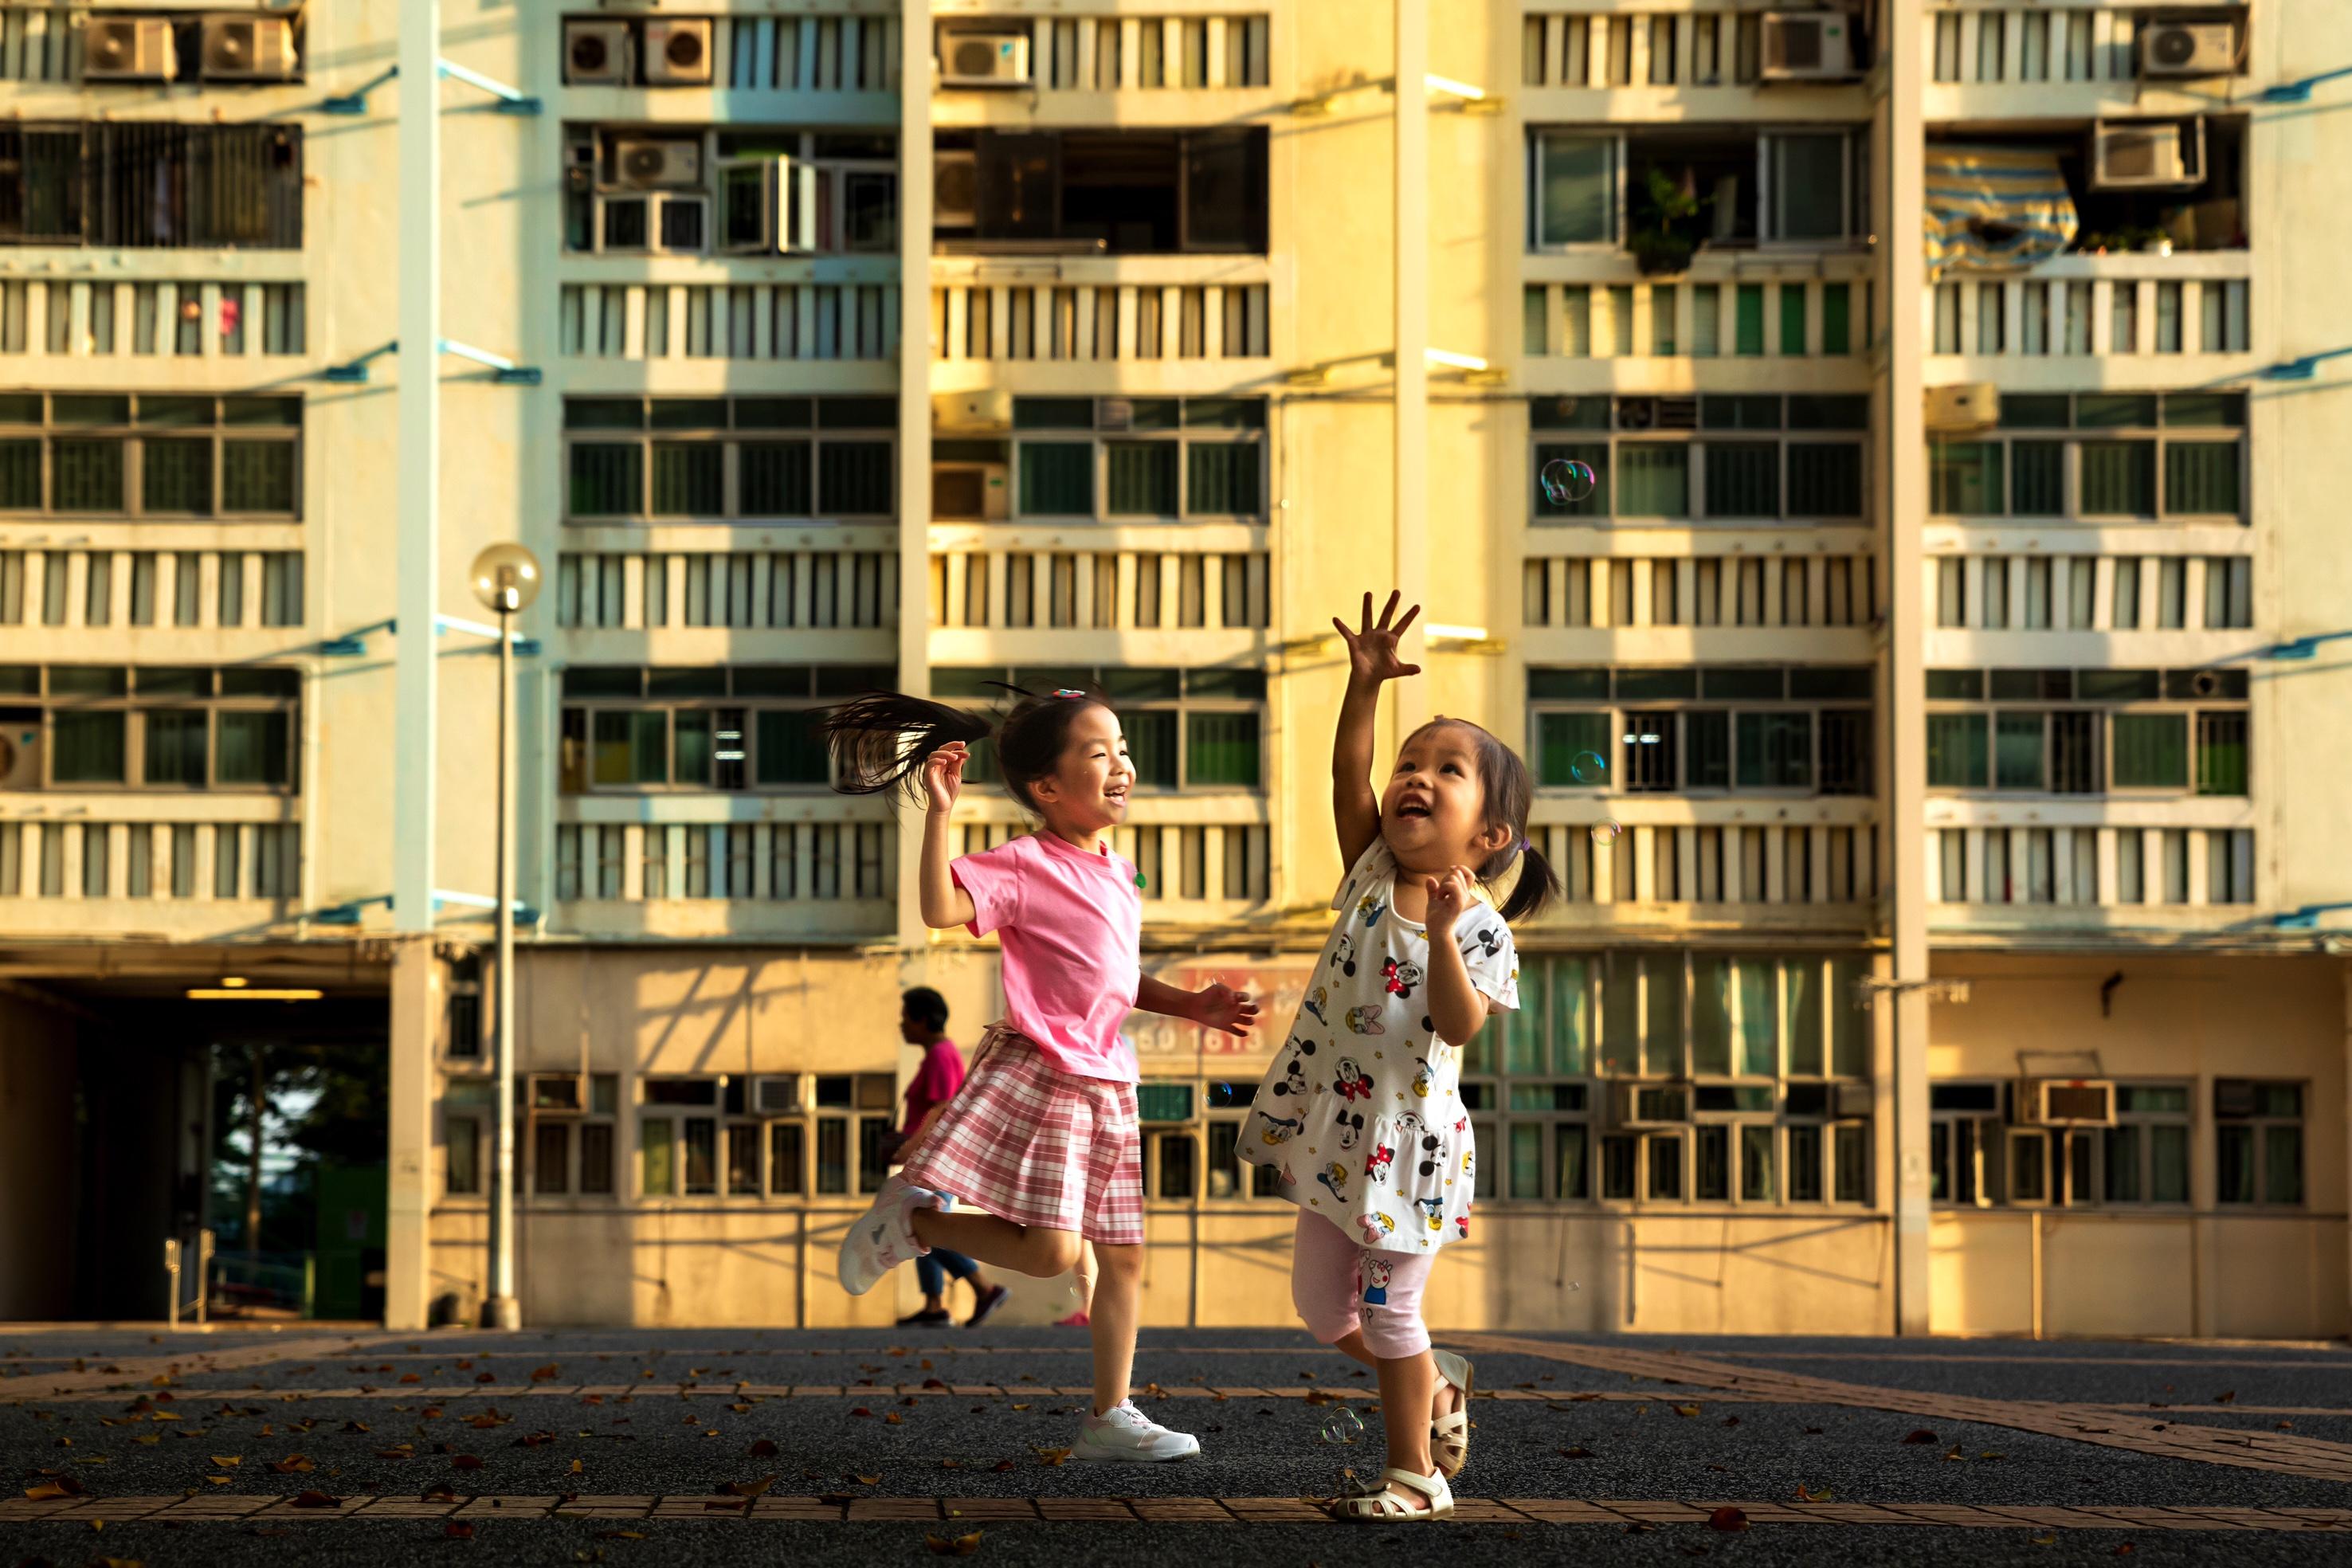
[1339,1287]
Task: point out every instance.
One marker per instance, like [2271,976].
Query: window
[2119,732]
[1797,186]
[683,190]
[2258,1142]
[159,728]
[1060,193]
[1191,730]
[729,460]
[150,456]
[852,1121]
[148,185]
[678,1137]
[1680,729]
[2099,456]
[732,727]
[571,1143]
[1129,459]
[1747,458]
[2146,1156]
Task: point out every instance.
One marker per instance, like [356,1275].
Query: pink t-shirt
[934,1083]
[1071,923]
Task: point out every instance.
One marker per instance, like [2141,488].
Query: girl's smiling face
[1087,790]
[1433,809]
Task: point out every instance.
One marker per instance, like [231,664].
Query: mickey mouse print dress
[1361,1112]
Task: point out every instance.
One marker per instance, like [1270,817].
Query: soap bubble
[1606,832]
[1342,1425]
[1567,481]
[1588,767]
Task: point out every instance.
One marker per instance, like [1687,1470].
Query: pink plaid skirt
[1028,1142]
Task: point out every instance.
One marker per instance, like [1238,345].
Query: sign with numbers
[1277,983]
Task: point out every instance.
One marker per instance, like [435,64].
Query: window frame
[1101,437]
[131,437]
[2200,715]
[1549,441]
[2260,1126]
[2073,436]
[179,148]
[646,436]
[1853,193]
[1184,706]
[1824,715]
[590,155]
[137,708]
[604,1088]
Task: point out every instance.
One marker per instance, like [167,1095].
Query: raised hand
[1223,1008]
[943,774]
[1373,646]
[1449,895]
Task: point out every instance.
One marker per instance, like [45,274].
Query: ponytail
[1536,885]
[881,740]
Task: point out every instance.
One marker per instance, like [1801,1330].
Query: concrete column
[914,433]
[418,500]
[1901,130]
[1412,156]
[417,1004]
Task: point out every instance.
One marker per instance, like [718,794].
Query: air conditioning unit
[677,53]
[2150,155]
[1853,1100]
[2065,1102]
[599,53]
[955,189]
[2188,48]
[1649,1104]
[662,223]
[1967,406]
[1657,414]
[1814,45]
[20,751]
[776,1096]
[988,410]
[970,492]
[993,56]
[129,48]
[249,49]
[657,165]
[558,1094]
[1113,413]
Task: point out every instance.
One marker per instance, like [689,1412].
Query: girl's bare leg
[1116,1305]
[1024,1248]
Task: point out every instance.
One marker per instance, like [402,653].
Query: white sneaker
[884,1237]
[1128,1434]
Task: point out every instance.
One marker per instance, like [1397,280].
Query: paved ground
[855,1446]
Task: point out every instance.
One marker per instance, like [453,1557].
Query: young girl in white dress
[1361,1113]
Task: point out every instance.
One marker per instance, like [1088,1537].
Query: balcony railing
[1106,590]
[1697,317]
[173,861]
[41,43]
[2097,306]
[803,589]
[739,322]
[1107,53]
[1704,591]
[1192,872]
[1683,48]
[115,589]
[2031,44]
[976,321]
[2137,871]
[1820,863]
[183,318]
[822,53]
[737,874]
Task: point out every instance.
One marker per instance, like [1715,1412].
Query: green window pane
[2201,479]
[1561,738]
[1057,478]
[1824,479]
[1653,479]
[1222,749]
[1809,175]
[1792,317]
[2018,746]
[1776,751]
[20,475]
[1526,1160]
[1621,1043]
[178,740]
[788,748]
[1964,478]
[1578,201]
[853,478]
[1222,479]
[2282,1165]
[1151,745]
[88,748]
[657,1141]
[176,476]
[607,479]
[1571,988]
[1711,1016]
[2221,754]
[2119,478]
[1836,326]
[689,479]
[1849,1037]
[1532,319]
[2167,1163]
[1743,478]
[1142,478]
[1749,334]
[1956,751]
[1756,1164]
[258,476]
[1593,455]
[1758,1054]
[1663,1042]
[1801,1007]
[691,744]
[2234,1164]
[632,747]
[87,475]
[1850,1159]
[252,748]
[1524,1025]
[775,479]
[2150,750]
[1575,1160]
[2037,478]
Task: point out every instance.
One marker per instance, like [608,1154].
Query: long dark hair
[1509,793]
[881,741]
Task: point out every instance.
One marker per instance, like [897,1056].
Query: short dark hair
[926,1007]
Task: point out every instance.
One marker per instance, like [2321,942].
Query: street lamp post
[506,579]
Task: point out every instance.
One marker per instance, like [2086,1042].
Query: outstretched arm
[1371,659]
[945,905]
[1219,1007]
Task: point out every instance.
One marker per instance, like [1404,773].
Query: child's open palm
[1223,1008]
[1372,648]
[1449,895]
[943,774]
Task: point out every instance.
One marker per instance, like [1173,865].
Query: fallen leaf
[1987,1454]
[457,1530]
[932,1382]
[748,1489]
[293,1464]
[1731,1421]
[2124,1549]
[1805,1495]
[546,1373]
[860,1410]
[1954,1453]
[2225,1398]
[1726,1518]
[952,1546]
[1016,1408]
[355,1427]
[466,1462]
[2050,1539]
[220,1481]
[620,1535]
[316,1500]
[228,1461]
[1920,1435]
[1001,1466]
[576,1468]
[893,1418]
[1686,1410]
[410,1377]
[871,1480]
[1050,1456]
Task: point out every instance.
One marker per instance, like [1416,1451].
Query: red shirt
[935,1082]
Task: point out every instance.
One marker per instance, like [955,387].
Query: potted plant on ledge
[1664,234]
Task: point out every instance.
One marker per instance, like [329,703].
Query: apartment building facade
[1931,703]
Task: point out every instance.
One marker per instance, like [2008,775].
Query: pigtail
[1536,885]
[881,741]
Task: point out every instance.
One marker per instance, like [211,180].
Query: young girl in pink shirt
[1043,1138]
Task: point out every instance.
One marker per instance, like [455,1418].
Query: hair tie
[1526,845]
[1065,692]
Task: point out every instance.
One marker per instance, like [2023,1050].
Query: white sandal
[1385,1507]
[1449,1435]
